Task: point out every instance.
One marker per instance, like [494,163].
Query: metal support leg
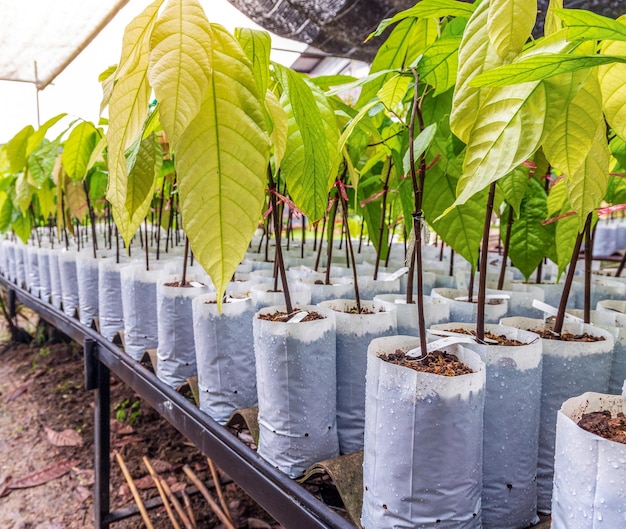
[102,445]
[12,303]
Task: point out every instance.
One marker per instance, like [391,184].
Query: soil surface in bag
[178,284]
[500,338]
[284,317]
[568,337]
[437,363]
[602,423]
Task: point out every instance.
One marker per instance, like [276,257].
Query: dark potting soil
[568,337]
[602,423]
[286,316]
[437,362]
[178,284]
[500,338]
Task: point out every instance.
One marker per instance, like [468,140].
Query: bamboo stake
[164,498]
[174,500]
[135,492]
[189,510]
[214,506]
[218,488]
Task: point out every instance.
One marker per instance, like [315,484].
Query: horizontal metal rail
[284,499]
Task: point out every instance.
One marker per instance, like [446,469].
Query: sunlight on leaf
[510,23]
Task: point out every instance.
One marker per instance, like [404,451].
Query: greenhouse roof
[38,40]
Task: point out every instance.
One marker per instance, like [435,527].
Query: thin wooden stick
[214,506]
[218,488]
[173,499]
[189,510]
[157,482]
[135,492]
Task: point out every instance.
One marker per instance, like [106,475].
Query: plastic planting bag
[463,311]
[87,275]
[139,308]
[436,310]
[569,369]
[33,280]
[264,295]
[511,425]
[56,294]
[354,333]
[296,384]
[589,474]
[43,260]
[110,309]
[69,281]
[422,461]
[176,352]
[225,355]
[615,311]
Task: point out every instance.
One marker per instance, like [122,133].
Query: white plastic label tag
[298,317]
[196,284]
[397,274]
[440,332]
[552,311]
[439,344]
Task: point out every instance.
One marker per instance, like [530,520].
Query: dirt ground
[46,429]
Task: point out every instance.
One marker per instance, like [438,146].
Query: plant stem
[158,235]
[302,243]
[319,249]
[560,316]
[145,228]
[92,219]
[344,209]
[390,244]
[279,251]
[482,273]
[410,277]
[183,281]
[451,270]
[588,262]
[418,189]
[539,273]
[117,246]
[361,235]
[329,243]
[621,266]
[383,210]
[507,243]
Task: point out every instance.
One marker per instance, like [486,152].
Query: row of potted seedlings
[248,354]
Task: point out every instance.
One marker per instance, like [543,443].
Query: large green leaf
[475,56]
[221,161]
[38,136]
[405,44]
[541,67]
[427,9]
[45,196]
[514,185]
[6,212]
[22,226]
[394,91]
[613,88]
[510,23]
[462,227]
[280,127]
[23,192]
[529,238]
[180,64]
[438,67]
[257,45]
[587,187]
[572,130]
[507,131]
[420,144]
[567,230]
[76,199]
[307,162]
[77,149]
[557,198]
[582,24]
[145,160]
[16,149]
[41,161]
[552,23]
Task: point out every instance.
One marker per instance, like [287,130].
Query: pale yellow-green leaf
[145,166]
[45,195]
[352,171]
[394,90]
[257,45]
[77,149]
[96,154]
[76,199]
[572,131]
[221,161]
[107,80]
[587,187]
[38,136]
[23,192]
[557,198]
[510,23]
[180,64]
[507,132]
[136,35]
[476,55]
[552,23]
[613,87]
[279,127]
[16,149]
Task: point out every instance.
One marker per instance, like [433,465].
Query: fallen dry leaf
[22,388]
[81,494]
[178,486]
[45,475]
[145,483]
[120,428]
[161,466]
[67,437]
[5,486]
[129,439]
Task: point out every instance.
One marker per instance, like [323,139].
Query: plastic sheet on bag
[436,310]
[43,259]
[422,462]
[569,368]
[110,309]
[465,312]
[615,311]
[87,276]
[33,281]
[224,355]
[589,477]
[296,384]
[176,353]
[69,281]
